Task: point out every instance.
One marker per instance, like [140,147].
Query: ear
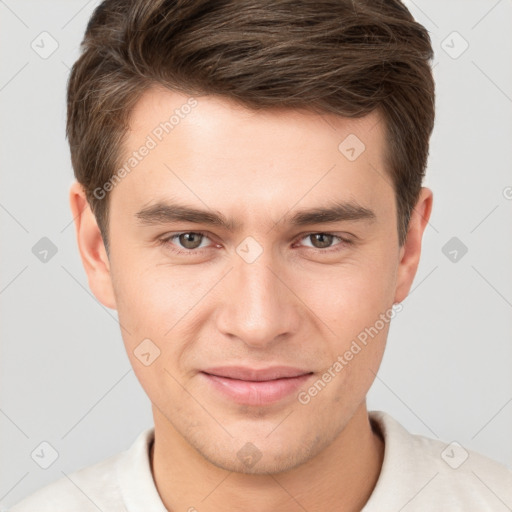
[411,250]
[91,247]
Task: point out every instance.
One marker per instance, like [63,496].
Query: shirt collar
[135,478]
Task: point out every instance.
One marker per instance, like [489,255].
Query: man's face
[268,292]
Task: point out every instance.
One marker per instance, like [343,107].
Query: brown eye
[190,240]
[187,243]
[321,240]
[325,242]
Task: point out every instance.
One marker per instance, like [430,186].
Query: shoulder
[80,491]
[93,488]
[429,474]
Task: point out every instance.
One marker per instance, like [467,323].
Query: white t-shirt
[418,474]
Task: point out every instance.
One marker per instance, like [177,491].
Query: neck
[341,477]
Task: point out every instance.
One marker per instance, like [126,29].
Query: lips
[256,387]
[256,375]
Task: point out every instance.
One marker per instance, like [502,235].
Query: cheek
[353,303]
[153,296]
[350,297]
[153,304]
[161,303]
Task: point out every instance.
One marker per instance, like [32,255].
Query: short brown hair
[347,57]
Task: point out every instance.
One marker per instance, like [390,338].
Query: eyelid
[342,240]
[166,240]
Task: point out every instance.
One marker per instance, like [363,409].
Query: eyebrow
[165,213]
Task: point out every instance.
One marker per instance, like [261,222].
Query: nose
[258,305]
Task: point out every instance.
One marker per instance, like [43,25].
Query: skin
[294,305]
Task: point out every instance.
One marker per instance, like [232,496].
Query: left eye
[323,240]
[189,240]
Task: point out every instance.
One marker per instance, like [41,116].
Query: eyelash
[193,252]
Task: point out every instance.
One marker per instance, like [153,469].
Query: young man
[249,200]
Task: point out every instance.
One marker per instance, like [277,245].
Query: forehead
[211,152]
[160,112]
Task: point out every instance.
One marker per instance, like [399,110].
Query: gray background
[65,378]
